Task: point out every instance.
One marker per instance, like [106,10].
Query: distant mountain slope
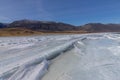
[2,25]
[29,27]
[98,27]
[42,25]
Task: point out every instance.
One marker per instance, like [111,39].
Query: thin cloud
[42,12]
[5,19]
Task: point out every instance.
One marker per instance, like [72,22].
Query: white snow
[87,57]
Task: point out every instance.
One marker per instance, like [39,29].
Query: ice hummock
[83,57]
[94,58]
[17,63]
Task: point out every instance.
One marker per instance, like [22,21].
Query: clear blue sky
[76,12]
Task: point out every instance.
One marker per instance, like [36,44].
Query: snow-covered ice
[61,57]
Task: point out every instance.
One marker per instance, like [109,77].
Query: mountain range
[28,27]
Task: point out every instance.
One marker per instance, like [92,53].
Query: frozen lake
[61,57]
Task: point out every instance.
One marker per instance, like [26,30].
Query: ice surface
[94,58]
[83,57]
[16,53]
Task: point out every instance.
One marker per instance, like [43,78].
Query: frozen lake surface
[61,57]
